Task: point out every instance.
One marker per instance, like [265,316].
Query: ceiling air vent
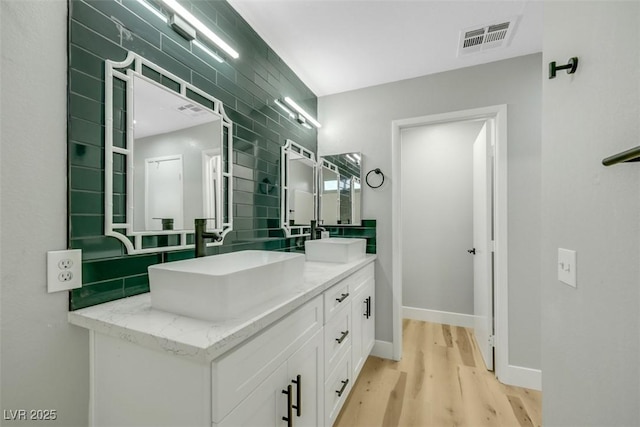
[489,36]
[192,110]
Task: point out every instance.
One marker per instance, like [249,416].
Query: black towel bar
[630,155]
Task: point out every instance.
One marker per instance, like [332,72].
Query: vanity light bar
[284,107]
[200,27]
[207,51]
[154,10]
[299,109]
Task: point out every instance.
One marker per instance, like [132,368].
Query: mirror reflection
[177,155]
[340,192]
[299,190]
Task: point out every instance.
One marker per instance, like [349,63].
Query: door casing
[500,297]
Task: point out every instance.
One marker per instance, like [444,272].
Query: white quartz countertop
[132,319]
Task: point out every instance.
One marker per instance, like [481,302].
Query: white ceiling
[340,45]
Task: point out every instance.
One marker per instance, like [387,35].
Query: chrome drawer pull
[344,386]
[344,335]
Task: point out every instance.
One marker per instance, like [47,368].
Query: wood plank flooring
[441,381]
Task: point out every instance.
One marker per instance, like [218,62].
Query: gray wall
[590,335]
[437,216]
[44,360]
[190,143]
[361,121]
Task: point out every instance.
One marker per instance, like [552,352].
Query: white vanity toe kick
[132,319]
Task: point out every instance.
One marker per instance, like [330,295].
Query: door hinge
[492,245]
[492,340]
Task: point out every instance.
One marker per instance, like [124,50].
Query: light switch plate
[567,272]
[64,270]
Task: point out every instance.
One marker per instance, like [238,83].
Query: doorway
[495,211]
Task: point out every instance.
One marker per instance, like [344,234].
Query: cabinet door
[306,375]
[358,307]
[369,322]
[265,406]
[363,325]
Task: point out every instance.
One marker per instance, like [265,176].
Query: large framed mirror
[168,147]
[340,192]
[298,201]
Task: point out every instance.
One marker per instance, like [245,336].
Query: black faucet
[315,229]
[202,234]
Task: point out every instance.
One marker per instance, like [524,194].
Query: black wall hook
[571,67]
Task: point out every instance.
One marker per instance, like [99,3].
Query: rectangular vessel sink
[335,249]
[223,286]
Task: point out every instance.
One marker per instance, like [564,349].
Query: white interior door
[482,260]
[163,192]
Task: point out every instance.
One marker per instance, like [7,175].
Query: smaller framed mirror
[298,190]
[340,192]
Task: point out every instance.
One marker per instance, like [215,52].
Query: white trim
[92,378]
[522,377]
[499,113]
[383,349]
[435,316]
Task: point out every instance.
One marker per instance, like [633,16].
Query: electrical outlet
[64,270]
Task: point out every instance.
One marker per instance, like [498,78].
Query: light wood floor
[441,381]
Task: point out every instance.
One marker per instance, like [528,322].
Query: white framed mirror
[168,150]
[298,198]
[340,192]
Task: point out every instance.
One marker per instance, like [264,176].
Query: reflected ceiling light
[284,107]
[354,158]
[200,27]
[299,109]
[153,10]
[208,51]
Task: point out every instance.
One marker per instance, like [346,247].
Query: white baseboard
[520,376]
[435,316]
[382,349]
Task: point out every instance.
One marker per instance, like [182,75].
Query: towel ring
[377,172]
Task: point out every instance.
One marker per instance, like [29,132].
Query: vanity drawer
[336,389]
[337,338]
[336,298]
[237,373]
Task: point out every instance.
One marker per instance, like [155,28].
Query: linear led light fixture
[153,10]
[200,27]
[299,109]
[284,107]
[207,51]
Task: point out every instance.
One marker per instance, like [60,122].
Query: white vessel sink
[223,286]
[335,249]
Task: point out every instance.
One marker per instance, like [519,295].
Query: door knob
[472,251]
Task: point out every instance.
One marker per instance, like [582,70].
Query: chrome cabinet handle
[298,405]
[342,297]
[289,417]
[344,335]
[344,386]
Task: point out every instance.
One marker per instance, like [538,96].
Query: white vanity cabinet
[349,336]
[152,368]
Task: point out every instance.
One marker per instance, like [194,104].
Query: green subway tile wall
[107,29]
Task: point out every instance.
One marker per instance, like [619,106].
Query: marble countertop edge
[134,320]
